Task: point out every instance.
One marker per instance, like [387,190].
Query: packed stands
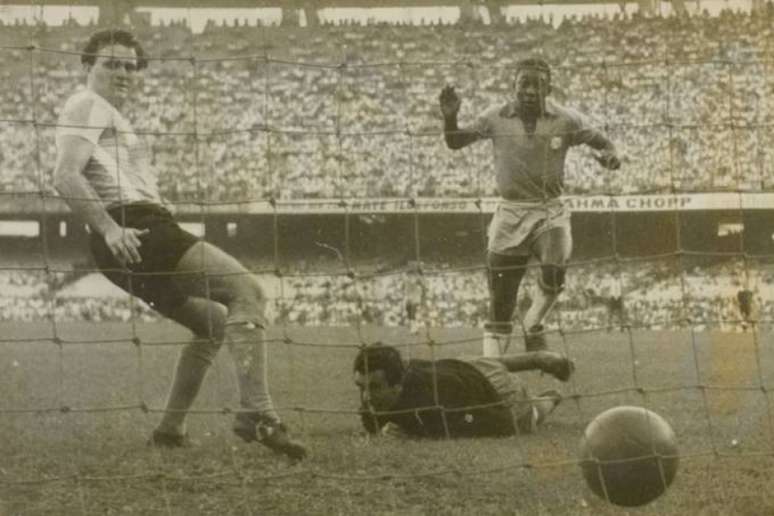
[351,111]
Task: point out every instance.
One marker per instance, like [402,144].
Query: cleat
[544,406]
[535,339]
[557,365]
[270,433]
[159,439]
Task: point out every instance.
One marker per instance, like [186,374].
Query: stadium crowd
[239,113]
[655,296]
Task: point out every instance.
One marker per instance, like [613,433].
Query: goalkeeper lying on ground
[476,396]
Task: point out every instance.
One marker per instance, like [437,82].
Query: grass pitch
[74,419]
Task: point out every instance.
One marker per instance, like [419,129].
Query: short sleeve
[84,116]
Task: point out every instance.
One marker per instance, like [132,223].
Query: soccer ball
[629,455]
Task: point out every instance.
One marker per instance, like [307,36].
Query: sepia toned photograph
[353,257]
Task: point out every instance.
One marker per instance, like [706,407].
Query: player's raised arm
[456,137]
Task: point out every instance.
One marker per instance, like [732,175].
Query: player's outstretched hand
[450,101]
[125,244]
[608,160]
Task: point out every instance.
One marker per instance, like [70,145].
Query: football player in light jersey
[530,137]
[104,174]
[415,294]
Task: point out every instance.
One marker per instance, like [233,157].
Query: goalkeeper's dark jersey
[459,385]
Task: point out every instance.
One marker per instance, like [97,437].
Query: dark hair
[380,357]
[534,63]
[103,38]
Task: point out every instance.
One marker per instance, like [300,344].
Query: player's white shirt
[119,169]
[414,289]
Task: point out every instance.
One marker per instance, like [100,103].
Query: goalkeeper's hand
[369,421]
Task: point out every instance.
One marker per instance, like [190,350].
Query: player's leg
[206,319]
[219,276]
[549,362]
[505,273]
[527,412]
[411,316]
[621,314]
[553,248]
[610,311]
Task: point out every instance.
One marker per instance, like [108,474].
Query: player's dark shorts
[161,250]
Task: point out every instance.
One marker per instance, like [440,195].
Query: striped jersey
[530,167]
[119,168]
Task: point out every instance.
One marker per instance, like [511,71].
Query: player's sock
[497,338]
[248,348]
[493,344]
[190,371]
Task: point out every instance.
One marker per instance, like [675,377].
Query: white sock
[495,344]
[248,349]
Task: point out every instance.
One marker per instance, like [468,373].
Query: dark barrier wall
[434,237]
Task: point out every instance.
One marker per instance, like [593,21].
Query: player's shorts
[516,224]
[162,248]
[510,388]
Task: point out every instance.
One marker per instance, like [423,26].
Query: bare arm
[606,154]
[71,184]
[455,137]
[73,156]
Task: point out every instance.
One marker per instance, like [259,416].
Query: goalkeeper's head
[378,372]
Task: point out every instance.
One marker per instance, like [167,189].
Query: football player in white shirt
[104,174]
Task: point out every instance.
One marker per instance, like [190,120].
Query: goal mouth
[315,152]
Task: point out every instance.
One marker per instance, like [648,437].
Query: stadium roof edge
[322,4]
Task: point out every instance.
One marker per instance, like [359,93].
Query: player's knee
[500,327]
[506,268]
[248,301]
[552,278]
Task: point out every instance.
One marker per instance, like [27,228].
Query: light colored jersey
[119,168]
[414,289]
[530,167]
